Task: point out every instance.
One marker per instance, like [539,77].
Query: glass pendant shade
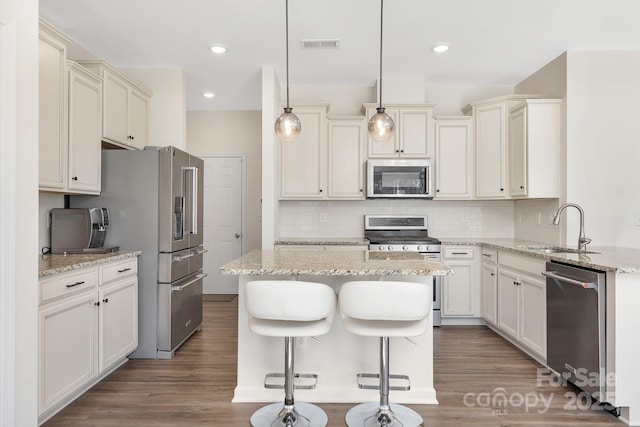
[381,126]
[288,126]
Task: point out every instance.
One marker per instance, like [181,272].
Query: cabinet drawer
[490,255]
[458,252]
[111,272]
[531,265]
[67,284]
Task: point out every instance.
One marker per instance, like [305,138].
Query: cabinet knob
[361,190]
[397,151]
[402,151]
[106,300]
[321,190]
[97,303]
[75,178]
[501,189]
[438,190]
[522,187]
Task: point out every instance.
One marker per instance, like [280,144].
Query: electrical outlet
[465,218]
[323,217]
[539,218]
[636,219]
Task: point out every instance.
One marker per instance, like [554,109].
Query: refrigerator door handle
[194,197]
[189,283]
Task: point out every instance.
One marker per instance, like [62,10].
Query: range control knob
[419,248]
[390,247]
[405,248]
[381,248]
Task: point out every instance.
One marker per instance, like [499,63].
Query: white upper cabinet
[534,148]
[453,158]
[53,141]
[70,119]
[491,132]
[413,135]
[327,160]
[303,161]
[85,129]
[347,138]
[125,106]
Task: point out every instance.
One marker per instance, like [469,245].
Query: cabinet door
[67,348]
[52,122]
[346,162]
[458,291]
[508,302]
[490,144]
[533,314]
[388,148]
[118,321]
[116,109]
[303,162]
[138,124]
[85,131]
[415,132]
[489,300]
[453,159]
[518,153]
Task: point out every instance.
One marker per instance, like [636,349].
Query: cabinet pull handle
[487,255]
[124,269]
[493,274]
[459,253]
[74,284]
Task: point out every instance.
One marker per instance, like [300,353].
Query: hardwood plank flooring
[473,368]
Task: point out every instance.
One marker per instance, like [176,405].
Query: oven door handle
[189,283]
[585,285]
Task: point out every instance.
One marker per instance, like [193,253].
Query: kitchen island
[338,356]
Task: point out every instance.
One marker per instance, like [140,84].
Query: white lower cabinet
[489,286]
[460,291]
[88,324]
[522,301]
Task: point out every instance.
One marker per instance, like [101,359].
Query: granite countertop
[342,262]
[337,241]
[606,258]
[50,264]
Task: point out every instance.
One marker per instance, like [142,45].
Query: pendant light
[381,125]
[288,125]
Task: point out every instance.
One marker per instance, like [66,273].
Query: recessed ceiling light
[441,47]
[218,48]
[208,94]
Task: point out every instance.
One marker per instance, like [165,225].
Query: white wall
[233,132]
[168,116]
[18,403]
[603,149]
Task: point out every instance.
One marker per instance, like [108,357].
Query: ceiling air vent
[320,44]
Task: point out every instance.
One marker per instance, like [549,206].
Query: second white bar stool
[384,309]
[289,309]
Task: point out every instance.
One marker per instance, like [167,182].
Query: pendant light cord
[381,17]
[287,48]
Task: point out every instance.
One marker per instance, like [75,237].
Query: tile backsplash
[453,219]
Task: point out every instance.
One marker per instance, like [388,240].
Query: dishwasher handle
[586,285]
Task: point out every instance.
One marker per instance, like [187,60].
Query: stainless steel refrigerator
[154,197]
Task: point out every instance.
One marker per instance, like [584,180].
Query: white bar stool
[289,309]
[384,309]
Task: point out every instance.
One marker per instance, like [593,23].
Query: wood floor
[473,369]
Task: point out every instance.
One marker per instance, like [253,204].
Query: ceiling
[493,42]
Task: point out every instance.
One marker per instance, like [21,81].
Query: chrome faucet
[582,240]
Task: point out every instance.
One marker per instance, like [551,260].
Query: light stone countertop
[606,258]
[50,264]
[338,241]
[342,262]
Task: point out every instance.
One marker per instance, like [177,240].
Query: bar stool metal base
[370,415]
[279,415]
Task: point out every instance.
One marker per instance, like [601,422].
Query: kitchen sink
[554,250]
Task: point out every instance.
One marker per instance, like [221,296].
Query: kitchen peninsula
[338,356]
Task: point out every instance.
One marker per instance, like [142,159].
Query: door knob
[237,235]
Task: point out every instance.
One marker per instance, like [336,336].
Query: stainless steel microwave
[400,178]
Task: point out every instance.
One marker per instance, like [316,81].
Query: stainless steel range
[405,233]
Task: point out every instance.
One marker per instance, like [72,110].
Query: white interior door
[223,219]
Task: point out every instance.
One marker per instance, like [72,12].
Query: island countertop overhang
[356,262]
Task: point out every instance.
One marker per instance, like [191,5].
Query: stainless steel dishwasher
[576,338]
